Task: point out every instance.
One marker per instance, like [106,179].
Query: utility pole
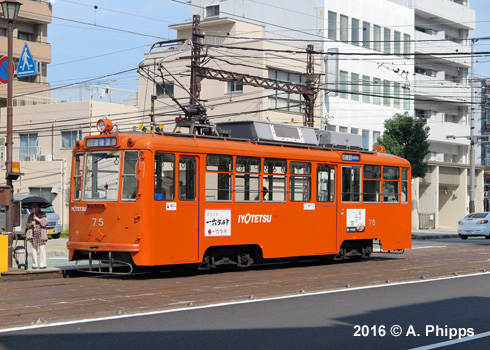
[199,72]
[10,10]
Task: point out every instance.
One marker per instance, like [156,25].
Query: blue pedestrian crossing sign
[26,66]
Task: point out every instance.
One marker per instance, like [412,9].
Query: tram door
[188,208]
[326,207]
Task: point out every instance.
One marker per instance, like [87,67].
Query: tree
[406,137]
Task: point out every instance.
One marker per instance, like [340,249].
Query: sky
[85,47]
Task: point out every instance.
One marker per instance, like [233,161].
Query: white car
[474,224]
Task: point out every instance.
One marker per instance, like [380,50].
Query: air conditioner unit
[45,157]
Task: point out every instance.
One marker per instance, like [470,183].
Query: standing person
[37,221]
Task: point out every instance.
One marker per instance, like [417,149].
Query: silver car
[22,213]
[474,224]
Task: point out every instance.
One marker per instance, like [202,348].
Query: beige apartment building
[30,27]
[228,100]
[44,136]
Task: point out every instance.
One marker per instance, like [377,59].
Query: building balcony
[439,130]
[441,90]
[430,44]
[456,12]
[39,51]
[38,11]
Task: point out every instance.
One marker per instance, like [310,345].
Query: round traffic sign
[4,62]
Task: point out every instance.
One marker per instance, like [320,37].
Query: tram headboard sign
[101,142]
[349,157]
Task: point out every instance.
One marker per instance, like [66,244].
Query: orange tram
[147,199]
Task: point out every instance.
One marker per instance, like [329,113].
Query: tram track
[59,300]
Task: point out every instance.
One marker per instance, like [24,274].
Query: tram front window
[102,176]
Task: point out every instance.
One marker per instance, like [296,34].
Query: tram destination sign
[101,142]
[349,157]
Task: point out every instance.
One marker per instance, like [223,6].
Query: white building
[395,56]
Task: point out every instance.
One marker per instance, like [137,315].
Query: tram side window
[274,182]
[326,184]
[390,184]
[77,177]
[351,184]
[404,186]
[129,175]
[371,185]
[187,179]
[218,177]
[164,176]
[247,185]
[300,186]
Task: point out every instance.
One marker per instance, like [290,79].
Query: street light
[10,10]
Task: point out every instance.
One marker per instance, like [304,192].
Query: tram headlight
[104,126]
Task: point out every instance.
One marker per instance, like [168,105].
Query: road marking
[452,342]
[429,246]
[232,303]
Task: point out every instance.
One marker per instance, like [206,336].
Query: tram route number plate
[349,157]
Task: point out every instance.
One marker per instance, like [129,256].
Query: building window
[406,99]
[354,131]
[165,89]
[331,128]
[376,136]
[283,101]
[212,11]
[344,28]
[366,35]
[234,87]
[386,93]
[3,32]
[344,85]
[397,46]
[365,139]
[355,32]
[343,129]
[366,88]
[44,192]
[24,36]
[406,45]
[69,138]
[387,40]
[376,91]
[28,150]
[332,25]
[377,38]
[354,82]
[396,95]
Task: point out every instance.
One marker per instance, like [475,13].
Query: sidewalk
[57,254]
[439,233]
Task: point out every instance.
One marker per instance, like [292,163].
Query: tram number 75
[99,222]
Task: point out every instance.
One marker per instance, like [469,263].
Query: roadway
[309,306]
[403,316]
